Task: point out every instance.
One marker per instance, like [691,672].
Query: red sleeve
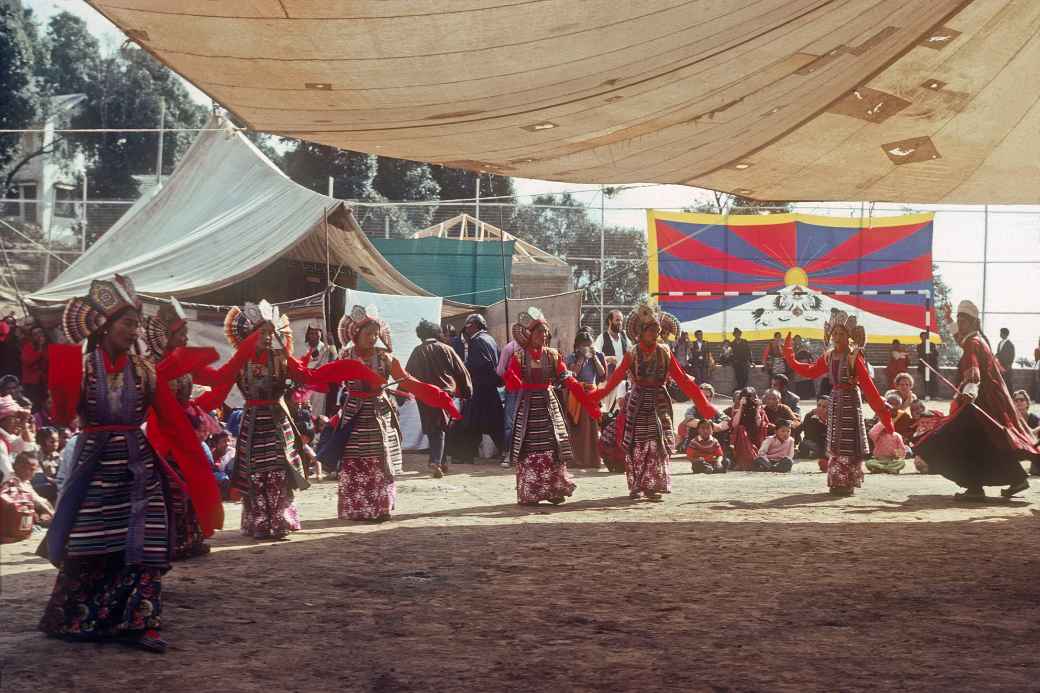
[689,386]
[619,374]
[590,405]
[65,379]
[430,395]
[222,379]
[512,377]
[872,394]
[176,431]
[717,450]
[335,372]
[803,369]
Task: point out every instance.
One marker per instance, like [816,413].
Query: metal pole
[326,303]
[927,344]
[162,126]
[985,257]
[477,197]
[83,217]
[602,257]
[332,186]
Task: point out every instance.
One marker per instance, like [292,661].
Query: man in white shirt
[17,434]
[614,345]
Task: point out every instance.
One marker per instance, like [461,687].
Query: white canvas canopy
[226,213]
[925,101]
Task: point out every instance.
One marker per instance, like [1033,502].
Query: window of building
[65,202]
[29,203]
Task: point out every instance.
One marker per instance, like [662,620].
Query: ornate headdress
[840,318]
[241,322]
[359,316]
[525,324]
[106,298]
[646,313]
[158,328]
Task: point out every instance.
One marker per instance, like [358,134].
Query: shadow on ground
[567,606]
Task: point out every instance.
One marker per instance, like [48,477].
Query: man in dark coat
[741,359]
[436,363]
[482,413]
[700,357]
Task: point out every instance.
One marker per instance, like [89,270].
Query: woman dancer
[110,534]
[368,419]
[166,336]
[649,437]
[540,446]
[846,367]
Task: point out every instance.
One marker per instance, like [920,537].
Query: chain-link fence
[990,255]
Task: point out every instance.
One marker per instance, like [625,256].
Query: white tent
[226,213]
[927,101]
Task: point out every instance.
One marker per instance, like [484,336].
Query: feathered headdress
[525,324]
[840,318]
[646,313]
[106,298]
[166,321]
[241,322]
[359,316]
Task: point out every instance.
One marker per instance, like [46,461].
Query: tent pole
[83,217]
[985,258]
[162,127]
[326,304]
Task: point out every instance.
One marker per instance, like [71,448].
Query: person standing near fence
[613,344]
[740,358]
[700,357]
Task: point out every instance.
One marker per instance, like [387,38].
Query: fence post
[602,259]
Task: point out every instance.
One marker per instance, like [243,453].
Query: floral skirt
[844,472]
[648,469]
[102,597]
[268,510]
[539,478]
[366,490]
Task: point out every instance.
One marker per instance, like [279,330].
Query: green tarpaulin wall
[463,271]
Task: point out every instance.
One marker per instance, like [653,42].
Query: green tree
[729,203]
[19,97]
[311,165]
[74,55]
[399,180]
[949,352]
[128,93]
[460,184]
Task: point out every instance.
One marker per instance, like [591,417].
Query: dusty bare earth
[737,582]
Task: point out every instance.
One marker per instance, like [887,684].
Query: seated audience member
[749,426]
[16,433]
[776,454]
[889,448]
[780,384]
[924,421]
[223,455]
[42,418]
[814,431]
[66,463]
[703,450]
[1022,402]
[687,428]
[47,440]
[776,411]
[25,467]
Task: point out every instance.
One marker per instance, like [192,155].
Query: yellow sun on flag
[796,276]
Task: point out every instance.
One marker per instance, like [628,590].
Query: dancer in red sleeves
[166,336]
[110,534]
[649,437]
[540,446]
[368,422]
[984,440]
[847,445]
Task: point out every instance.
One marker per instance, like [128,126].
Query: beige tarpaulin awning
[922,101]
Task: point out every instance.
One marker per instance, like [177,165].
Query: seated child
[889,449]
[704,451]
[776,454]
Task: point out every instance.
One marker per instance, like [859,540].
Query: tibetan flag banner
[788,272]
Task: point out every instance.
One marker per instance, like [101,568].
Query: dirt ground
[737,582]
